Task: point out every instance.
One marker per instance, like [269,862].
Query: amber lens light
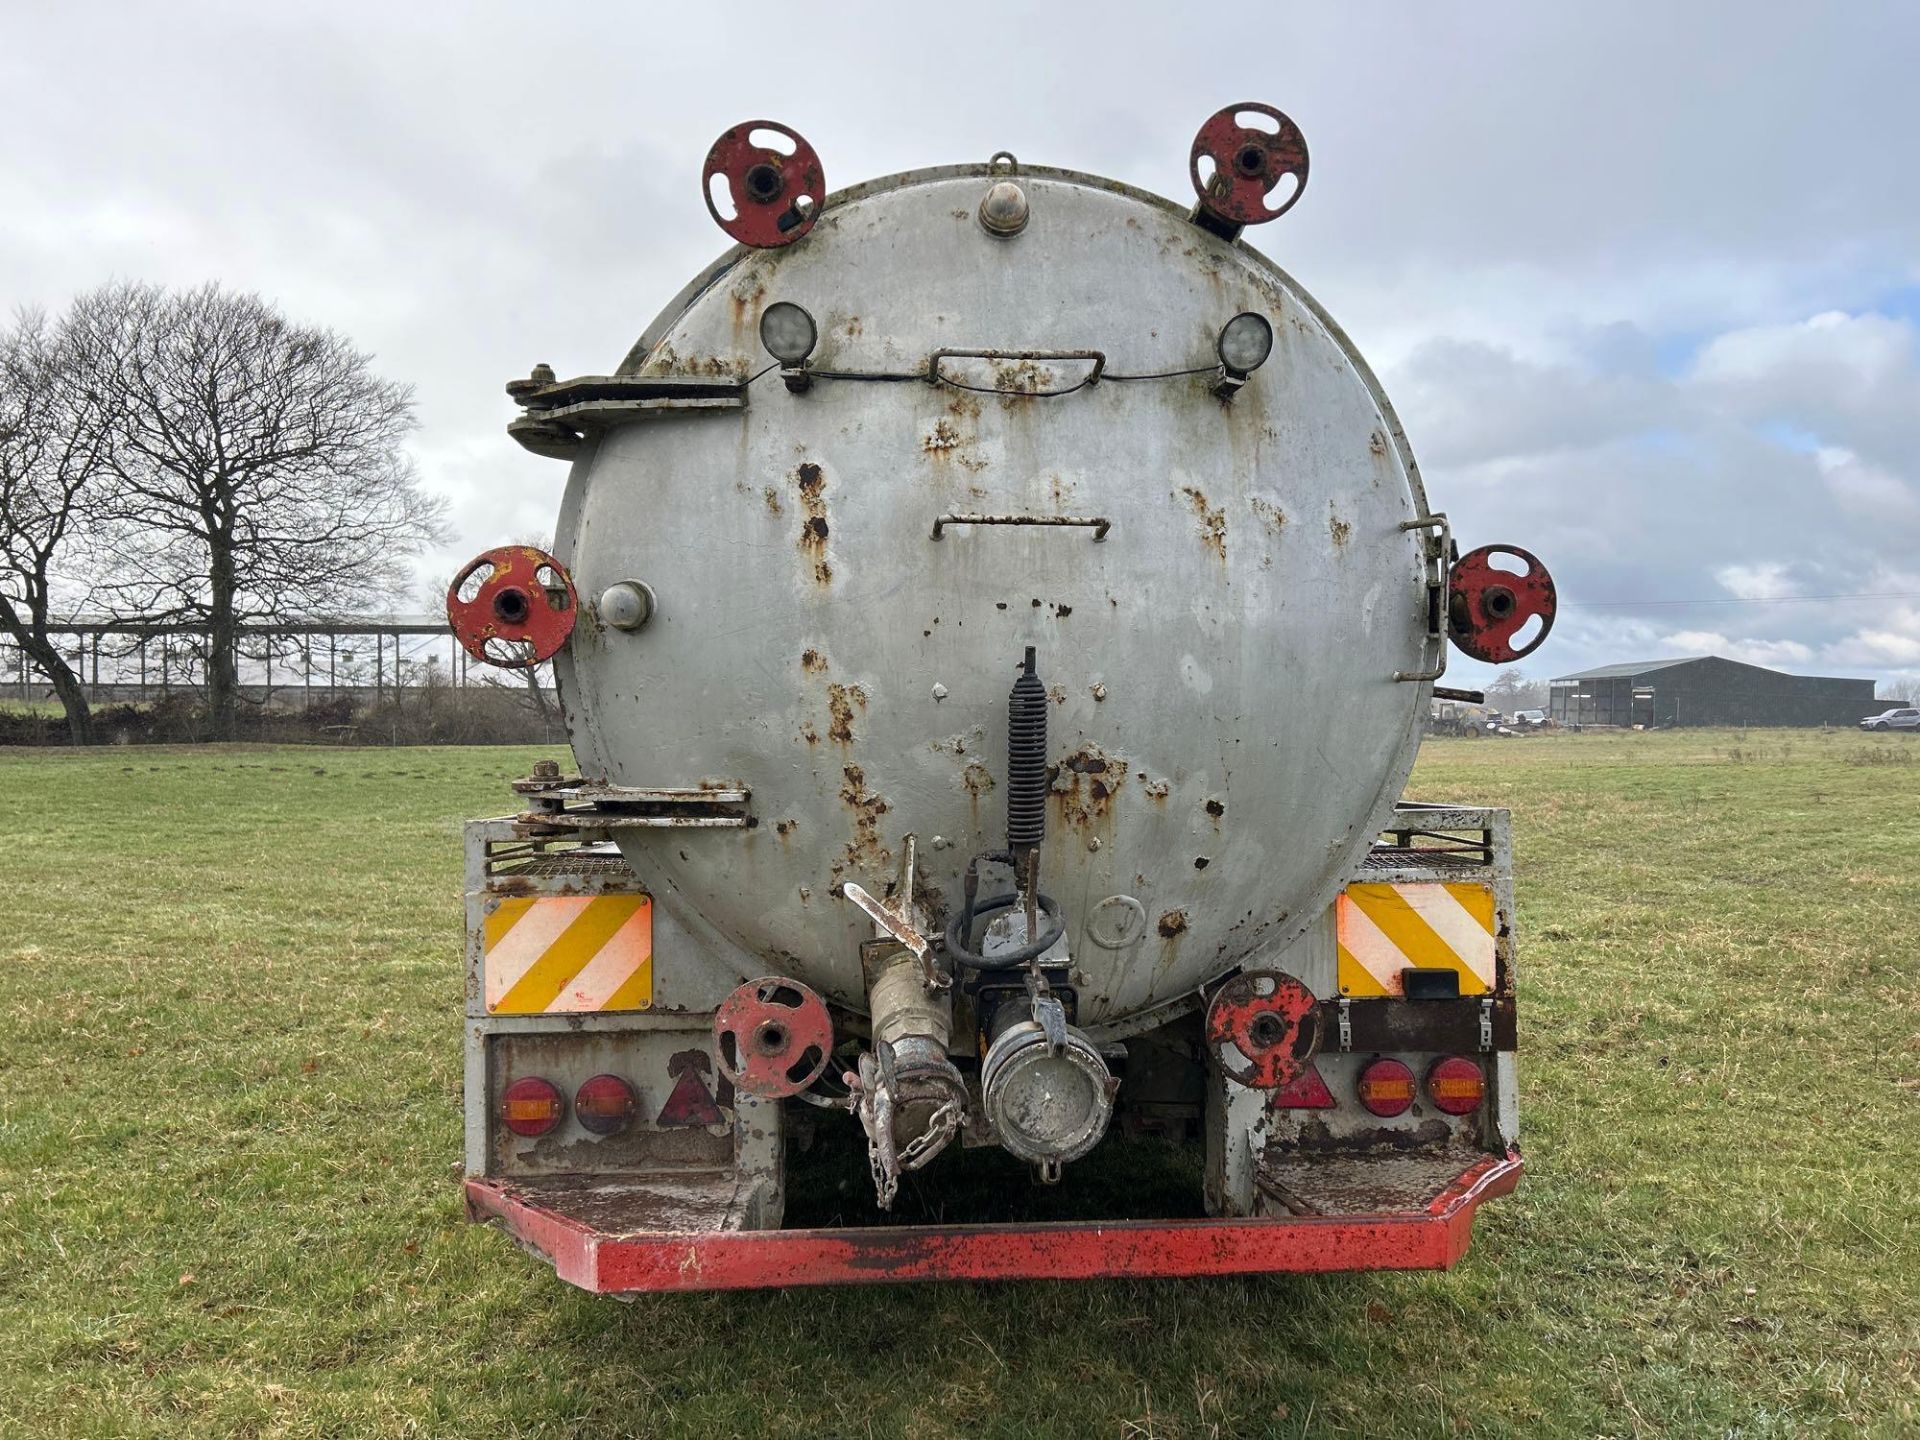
[1386,1088]
[1456,1085]
[604,1104]
[532,1106]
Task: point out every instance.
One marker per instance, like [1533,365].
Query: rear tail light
[1386,1088]
[1456,1085]
[532,1106]
[605,1104]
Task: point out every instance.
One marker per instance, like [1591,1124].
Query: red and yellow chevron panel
[568,954]
[1384,929]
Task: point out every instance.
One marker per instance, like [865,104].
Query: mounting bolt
[523,390]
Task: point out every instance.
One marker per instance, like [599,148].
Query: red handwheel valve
[1487,608]
[1236,167]
[776,194]
[1263,1027]
[519,613]
[774,1037]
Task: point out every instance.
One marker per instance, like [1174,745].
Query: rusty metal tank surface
[1227,731]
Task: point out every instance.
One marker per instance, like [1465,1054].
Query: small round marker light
[788,332]
[1456,1085]
[605,1105]
[1245,342]
[531,1106]
[1386,1088]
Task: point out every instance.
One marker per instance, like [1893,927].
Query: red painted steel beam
[1429,1239]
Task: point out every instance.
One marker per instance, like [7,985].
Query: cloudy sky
[1643,279]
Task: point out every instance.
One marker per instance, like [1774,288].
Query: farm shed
[1705,690]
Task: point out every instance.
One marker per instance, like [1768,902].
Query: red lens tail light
[1386,1088]
[532,1106]
[605,1104]
[1456,1085]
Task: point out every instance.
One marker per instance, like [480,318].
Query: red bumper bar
[1429,1239]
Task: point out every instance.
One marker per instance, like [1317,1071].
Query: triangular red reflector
[1306,1091]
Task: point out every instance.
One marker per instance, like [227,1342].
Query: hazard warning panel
[568,954]
[1384,930]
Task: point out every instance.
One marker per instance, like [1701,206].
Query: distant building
[1706,690]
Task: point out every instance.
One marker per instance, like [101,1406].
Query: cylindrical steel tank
[1227,731]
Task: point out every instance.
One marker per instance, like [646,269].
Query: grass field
[229,1120]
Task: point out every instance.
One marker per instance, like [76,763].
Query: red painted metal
[1264,1026]
[1486,607]
[1429,1239]
[765,186]
[1246,165]
[513,610]
[774,1037]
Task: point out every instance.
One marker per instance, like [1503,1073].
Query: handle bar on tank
[1098,358]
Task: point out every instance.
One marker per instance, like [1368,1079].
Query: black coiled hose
[1026,760]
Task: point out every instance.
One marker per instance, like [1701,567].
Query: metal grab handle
[1099,523]
[1098,358]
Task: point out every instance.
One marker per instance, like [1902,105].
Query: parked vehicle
[1903,717]
[901,446]
[1530,717]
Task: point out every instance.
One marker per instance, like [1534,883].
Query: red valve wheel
[1486,607]
[1264,1026]
[520,614]
[774,1037]
[1247,163]
[777,197]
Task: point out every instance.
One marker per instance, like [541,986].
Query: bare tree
[54,438]
[1512,690]
[259,464]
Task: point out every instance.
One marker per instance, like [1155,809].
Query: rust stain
[1021,377]
[784,828]
[810,735]
[1173,924]
[841,700]
[812,484]
[1339,529]
[865,849]
[1084,784]
[977,778]
[1216,808]
[1271,515]
[1213,523]
[956,436]
[774,507]
[1156,789]
[813,662]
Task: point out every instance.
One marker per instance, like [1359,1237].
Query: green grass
[229,1119]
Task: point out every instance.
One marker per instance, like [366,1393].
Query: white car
[1903,718]
[1530,717]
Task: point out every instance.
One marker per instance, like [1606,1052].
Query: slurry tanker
[994,609]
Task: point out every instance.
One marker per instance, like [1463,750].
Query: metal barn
[1705,690]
